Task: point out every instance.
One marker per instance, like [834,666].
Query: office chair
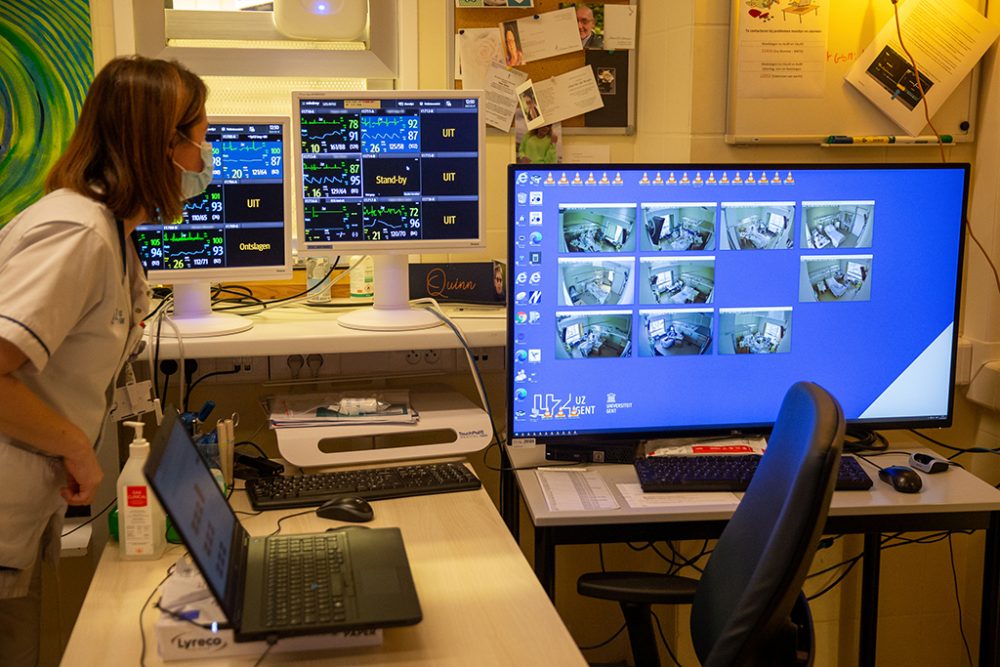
[748,607]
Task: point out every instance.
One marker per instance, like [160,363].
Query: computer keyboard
[269,493]
[725,472]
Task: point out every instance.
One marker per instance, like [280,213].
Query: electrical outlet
[422,361]
[248,369]
[487,358]
[304,367]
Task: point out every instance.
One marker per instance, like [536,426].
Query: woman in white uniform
[72,299]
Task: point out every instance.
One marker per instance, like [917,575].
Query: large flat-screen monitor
[859,293]
[240,228]
[389,173]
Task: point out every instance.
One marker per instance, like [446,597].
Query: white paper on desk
[634,496]
[619,26]
[575,490]
[945,37]
[478,49]
[500,98]
[560,97]
[545,35]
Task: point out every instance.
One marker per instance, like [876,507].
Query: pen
[838,139]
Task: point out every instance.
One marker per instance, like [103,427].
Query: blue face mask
[193,183]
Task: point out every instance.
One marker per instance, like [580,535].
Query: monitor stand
[194,317]
[391,310]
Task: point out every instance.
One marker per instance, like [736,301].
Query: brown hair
[136,111]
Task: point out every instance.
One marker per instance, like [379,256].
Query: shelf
[305,330]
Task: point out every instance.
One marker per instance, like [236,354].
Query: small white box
[179,640]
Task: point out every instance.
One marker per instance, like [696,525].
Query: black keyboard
[270,493]
[304,583]
[725,472]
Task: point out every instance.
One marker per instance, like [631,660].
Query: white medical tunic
[72,298]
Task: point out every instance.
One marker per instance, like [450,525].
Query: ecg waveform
[207,207]
[330,134]
[331,178]
[390,134]
[184,249]
[249,160]
[332,222]
[387,223]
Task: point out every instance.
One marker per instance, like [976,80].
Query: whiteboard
[839,109]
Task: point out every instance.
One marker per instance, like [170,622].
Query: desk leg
[510,497]
[989,620]
[545,562]
[868,633]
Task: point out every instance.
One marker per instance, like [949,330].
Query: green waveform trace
[386,210]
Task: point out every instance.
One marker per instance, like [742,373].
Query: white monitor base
[388,319]
[216,324]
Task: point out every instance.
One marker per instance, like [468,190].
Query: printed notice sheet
[540,36]
[575,490]
[478,48]
[500,98]
[619,26]
[781,59]
[946,39]
[560,97]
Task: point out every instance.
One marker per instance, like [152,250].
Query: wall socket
[248,370]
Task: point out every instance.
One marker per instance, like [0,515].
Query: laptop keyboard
[725,472]
[304,583]
[268,493]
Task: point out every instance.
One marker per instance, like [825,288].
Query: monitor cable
[940,144]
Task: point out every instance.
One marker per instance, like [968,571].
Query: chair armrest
[637,587]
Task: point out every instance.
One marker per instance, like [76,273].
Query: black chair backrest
[761,560]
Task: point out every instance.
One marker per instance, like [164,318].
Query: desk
[954,500]
[482,605]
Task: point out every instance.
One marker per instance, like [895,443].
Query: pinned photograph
[540,145]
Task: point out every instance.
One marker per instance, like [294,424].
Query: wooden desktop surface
[482,603]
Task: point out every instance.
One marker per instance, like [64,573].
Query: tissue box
[465,282]
[179,640]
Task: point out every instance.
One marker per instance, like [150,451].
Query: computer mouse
[903,479]
[346,508]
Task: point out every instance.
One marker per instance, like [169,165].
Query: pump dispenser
[142,524]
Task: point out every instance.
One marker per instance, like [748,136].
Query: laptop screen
[193,500]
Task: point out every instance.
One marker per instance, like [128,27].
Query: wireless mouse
[903,479]
[346,508]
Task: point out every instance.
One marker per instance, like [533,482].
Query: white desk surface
[482,603]
[948,492]
[301,329]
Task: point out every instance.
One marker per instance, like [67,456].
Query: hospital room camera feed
[684,300]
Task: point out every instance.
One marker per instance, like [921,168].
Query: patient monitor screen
[239,224]
[622,323]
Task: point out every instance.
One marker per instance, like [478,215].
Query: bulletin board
[841,109]
[618,115]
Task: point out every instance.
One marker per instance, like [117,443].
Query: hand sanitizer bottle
[142,524]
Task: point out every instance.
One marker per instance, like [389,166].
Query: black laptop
[354,578]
